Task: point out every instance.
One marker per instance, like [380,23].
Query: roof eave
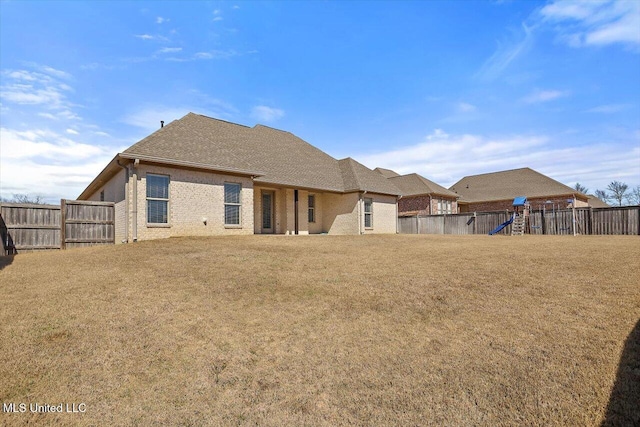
[191,165]
[105,175]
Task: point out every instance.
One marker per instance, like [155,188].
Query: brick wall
[193,196]
[560,202]
[340,213]
[385,216]
[421,204]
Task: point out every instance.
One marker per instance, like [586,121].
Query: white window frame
[239,204]
[311,204]
[370,213]
[167,200]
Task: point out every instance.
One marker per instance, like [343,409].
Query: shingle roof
[595,202]
[414,185]
[508,184]
[387,173]
[276,156]
[357,176]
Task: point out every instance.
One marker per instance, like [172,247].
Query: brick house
[421,196]
[495,191]
[203,176]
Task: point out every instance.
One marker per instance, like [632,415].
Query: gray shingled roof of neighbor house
[275,157]
[595,202]
[416,185]
[508,184]
[387,173]
[357,176]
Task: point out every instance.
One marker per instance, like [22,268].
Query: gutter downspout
[573,209]
[126,202]
[134,211]
[397,218]
[295,212]
[430,206]
[361,211]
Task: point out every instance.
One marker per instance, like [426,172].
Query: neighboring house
[595,202]
[420,196]
[496,191]
[203,176]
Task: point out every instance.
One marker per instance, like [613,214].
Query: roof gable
[387,173]
[414,185]
[357,176]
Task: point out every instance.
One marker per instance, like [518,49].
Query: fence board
[609,221]
[27,227]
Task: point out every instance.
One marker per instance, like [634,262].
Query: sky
[446,89]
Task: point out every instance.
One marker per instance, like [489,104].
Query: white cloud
[465,107]
[46,163]
[160,20]
[602,22]
[609,108]
[447,158]
[72,131]
[218,18]
[505,54]
[56,73]
[43,143]
[26,87]
[217,12]
[216,54]
[203,55]
[145,36]
[543,96]
[170,50]
[266,114]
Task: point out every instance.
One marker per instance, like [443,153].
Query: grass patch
[324,330]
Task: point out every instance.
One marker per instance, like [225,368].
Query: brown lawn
[323,330]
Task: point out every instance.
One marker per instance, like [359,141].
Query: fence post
[63,226]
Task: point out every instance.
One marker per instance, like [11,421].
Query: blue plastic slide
[501,226]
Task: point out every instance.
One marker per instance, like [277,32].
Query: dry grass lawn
[323,330]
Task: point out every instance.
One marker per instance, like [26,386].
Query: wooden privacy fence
[619,220]
[27,227]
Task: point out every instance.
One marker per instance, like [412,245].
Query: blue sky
[445,89]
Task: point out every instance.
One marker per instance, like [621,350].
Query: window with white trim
[445,206]
[312,208]
[232,203]
[368,213]
[157,199]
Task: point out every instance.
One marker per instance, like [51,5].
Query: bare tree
[25,198]
[602,195]
[618,191]
[634,196]
[581,188]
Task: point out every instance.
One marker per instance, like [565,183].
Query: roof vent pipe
[161,124]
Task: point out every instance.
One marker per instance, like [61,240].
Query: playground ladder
[517,227]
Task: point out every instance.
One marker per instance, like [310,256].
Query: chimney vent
[161,124]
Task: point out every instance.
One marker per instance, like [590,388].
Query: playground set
[521,211]
[518,218]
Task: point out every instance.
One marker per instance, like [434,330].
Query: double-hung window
[368,213]
[157,199]
[232,203]
[312,208]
